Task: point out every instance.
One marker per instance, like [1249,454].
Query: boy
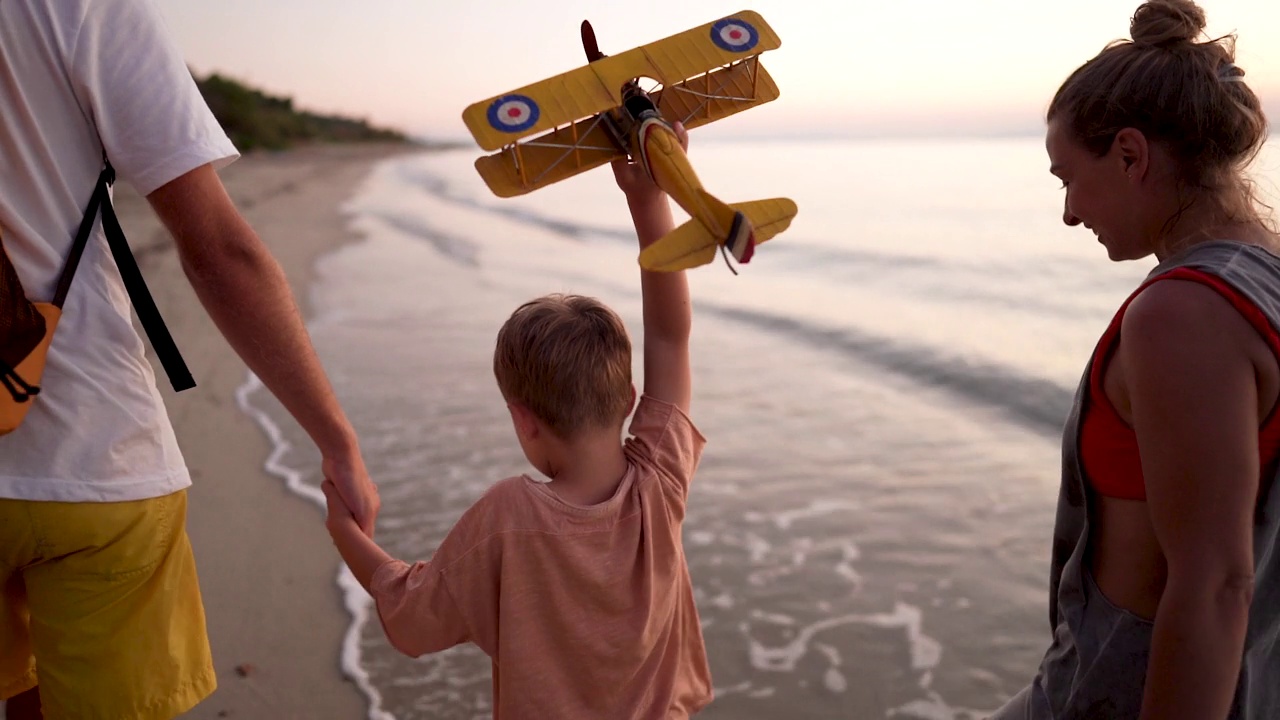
[577,589]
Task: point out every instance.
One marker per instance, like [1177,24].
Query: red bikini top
[1108,445]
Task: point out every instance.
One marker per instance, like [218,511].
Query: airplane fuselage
[668,166]
[658,149]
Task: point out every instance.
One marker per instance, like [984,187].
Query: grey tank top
[1097,664]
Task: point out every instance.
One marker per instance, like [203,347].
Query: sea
[883,388]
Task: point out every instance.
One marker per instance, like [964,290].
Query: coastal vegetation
[257,120]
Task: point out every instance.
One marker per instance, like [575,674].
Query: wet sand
[267,568]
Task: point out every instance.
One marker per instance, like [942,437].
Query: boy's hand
[339,517]
[351,481]
[361,554]
[634,181]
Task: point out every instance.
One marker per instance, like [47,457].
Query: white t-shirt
[78,76]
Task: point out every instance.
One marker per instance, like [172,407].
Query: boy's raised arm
[667,309]
[667,315]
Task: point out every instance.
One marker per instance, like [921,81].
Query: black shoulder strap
[105,179]
[148,314]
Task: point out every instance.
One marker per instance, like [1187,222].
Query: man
[100,612]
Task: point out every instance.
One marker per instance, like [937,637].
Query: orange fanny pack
[23,366]
[26,327]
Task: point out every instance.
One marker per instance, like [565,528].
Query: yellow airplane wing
[577,94]
[557,155]
[585,145]
[717,94]
[691,245]
[694,52]
[540,107]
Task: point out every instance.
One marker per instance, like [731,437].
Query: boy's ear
[631,408]
[526,424]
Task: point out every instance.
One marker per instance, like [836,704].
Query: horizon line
[462,141]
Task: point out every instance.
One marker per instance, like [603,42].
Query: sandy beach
[867,536]
[266,565]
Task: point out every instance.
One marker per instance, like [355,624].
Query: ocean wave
[440,188]
[1037,403]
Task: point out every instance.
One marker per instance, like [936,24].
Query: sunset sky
[914,67]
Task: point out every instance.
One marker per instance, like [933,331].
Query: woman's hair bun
[1164,23]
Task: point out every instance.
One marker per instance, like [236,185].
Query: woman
[1165,584]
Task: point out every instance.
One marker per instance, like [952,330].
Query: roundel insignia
[513,113]
[734,35]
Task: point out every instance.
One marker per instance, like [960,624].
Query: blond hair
[1185,94]
[567,358]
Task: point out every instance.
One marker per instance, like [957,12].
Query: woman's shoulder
[1180,304]
[1182,318]
[1208,288]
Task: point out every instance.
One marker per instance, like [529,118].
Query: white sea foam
[817,508]
[356,600]
[848,376]
[925,651]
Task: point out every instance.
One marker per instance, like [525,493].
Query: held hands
[349,483]
[361,554]
[338,518]
[634,181]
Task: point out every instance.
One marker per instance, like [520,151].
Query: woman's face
[1102,193]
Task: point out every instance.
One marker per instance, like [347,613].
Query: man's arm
[667,309]
[1194,399]
[245,292]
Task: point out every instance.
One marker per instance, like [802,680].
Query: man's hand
[361,554]
[634,181]
[338,517]
[357,494]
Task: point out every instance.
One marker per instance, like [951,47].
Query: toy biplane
[582,119]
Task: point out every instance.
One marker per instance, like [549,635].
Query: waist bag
[26,327]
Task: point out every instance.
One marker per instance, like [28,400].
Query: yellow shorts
[100,606]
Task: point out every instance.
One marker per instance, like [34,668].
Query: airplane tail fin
[746,225]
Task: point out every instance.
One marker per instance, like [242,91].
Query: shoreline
[277,616]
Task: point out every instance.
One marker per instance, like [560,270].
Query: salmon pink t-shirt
[586,612]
